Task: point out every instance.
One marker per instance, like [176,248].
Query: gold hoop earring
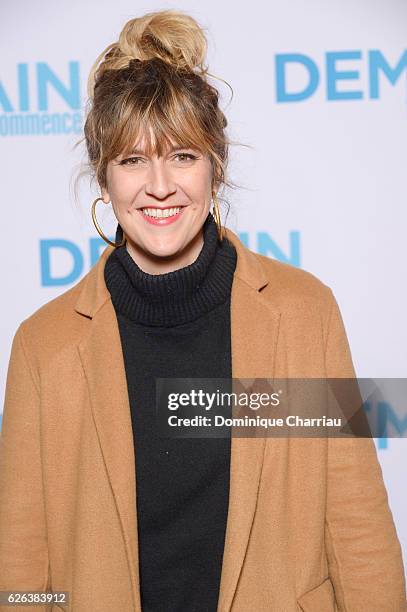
[216,216]
[98,229]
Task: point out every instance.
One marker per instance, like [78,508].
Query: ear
[105,195]
[215,186]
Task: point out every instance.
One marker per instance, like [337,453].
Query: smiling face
[161,203]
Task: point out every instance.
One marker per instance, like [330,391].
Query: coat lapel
[102,359]
[254,332]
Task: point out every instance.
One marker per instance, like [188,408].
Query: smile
[161,216]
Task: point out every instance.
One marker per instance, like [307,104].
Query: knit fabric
[175,297]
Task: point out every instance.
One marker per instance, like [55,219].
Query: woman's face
[161,204]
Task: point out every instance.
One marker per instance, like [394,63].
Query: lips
[161,220]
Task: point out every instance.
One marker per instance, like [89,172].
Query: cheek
[198,185]
[121,186]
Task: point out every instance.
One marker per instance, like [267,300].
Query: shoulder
[55,324]
[59,307]
[308,307]
[303,300]
[291,287]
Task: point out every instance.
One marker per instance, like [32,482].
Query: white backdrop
[319,95]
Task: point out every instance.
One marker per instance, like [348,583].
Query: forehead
[143,146]
[146,142]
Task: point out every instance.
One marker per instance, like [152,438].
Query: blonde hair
[155,76]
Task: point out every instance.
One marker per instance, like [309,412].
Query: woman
[93,501]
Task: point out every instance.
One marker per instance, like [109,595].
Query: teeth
[158,213]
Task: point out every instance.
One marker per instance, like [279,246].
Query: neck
[156,264]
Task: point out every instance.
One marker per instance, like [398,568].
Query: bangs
[166,123]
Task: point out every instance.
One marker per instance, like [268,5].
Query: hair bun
[170,35]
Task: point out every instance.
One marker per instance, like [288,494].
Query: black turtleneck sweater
[176,325]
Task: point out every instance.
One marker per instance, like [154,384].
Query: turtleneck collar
[176,297]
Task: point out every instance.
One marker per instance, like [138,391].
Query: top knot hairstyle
[153,82]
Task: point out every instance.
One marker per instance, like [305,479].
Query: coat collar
[94,292]
[254,333]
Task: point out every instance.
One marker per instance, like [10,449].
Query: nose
[159,184]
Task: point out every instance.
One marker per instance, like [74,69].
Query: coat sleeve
[364,553]
[23,540]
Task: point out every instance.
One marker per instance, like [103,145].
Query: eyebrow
[137,151]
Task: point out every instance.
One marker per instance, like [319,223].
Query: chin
[163,247]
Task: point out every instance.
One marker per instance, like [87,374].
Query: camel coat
[309,527]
